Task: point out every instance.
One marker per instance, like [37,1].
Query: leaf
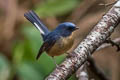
[4,68]
[32,37]
[56,7]
[26,71]
[73,77]
[18,52]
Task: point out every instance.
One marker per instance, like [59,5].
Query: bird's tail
[35,20]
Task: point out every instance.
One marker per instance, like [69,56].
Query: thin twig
[108,4]
[117,40]
[113,43]
[81,10]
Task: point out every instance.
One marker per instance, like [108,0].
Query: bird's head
[66,28]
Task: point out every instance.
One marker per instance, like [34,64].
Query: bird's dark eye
[70,28]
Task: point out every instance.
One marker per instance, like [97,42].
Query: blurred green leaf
[28,72]
[18,52]
[33,36]
[73,77]
[4,68]
[56,7]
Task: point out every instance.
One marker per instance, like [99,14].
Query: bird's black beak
[76,28]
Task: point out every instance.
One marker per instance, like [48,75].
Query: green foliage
[56,7]
[27,71]
[4,68]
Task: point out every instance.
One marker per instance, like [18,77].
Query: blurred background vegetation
[20,41]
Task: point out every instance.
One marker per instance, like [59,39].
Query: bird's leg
[56,64]
[54,61]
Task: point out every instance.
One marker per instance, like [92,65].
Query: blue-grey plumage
[59,40]
[56,42]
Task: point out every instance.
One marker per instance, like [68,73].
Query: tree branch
[96,37]
[93,67]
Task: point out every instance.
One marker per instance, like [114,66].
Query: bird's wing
[48,43]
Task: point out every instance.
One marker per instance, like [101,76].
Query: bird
[56,42]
